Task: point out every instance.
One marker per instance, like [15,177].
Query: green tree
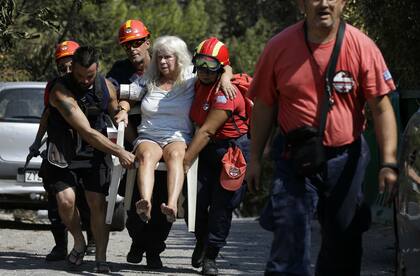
[244,51]
[194,28]
[20,21]
[162,17]
[238,16]
[257,24]
[87,22]
[395,26]
[215,12]
[97,24]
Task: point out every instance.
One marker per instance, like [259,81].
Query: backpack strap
[243,118]
[327,97]
[101,91]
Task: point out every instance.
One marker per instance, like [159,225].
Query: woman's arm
[225,83]
[215,119]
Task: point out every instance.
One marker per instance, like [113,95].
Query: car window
[21,104]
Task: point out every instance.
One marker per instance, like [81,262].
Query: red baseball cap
[233,169]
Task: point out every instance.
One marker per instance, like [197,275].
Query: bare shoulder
[62,99]
[59,92]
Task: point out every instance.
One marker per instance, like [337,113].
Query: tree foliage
[395,26]
[20,21]
[245,25]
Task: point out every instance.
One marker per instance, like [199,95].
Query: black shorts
[57,179]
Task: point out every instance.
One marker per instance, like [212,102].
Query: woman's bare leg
[173,154]
[148,154]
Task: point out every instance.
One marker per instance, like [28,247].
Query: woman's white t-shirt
[165,114]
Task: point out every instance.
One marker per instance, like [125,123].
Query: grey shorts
[162,142]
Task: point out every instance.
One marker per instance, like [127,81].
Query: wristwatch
[120,108]
[393,166]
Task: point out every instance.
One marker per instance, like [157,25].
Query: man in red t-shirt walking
[290,79]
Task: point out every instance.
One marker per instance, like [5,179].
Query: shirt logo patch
[221,99]
[387,75]
[343,82]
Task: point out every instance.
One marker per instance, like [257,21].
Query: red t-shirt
[286,75]
[205,100]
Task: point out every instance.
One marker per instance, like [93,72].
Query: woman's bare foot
[169,212]
[143,208]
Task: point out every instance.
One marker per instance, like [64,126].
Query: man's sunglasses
[208,63]
[133,43]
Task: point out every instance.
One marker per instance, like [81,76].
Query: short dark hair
[86,56]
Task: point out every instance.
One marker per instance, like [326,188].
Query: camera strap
[328,100]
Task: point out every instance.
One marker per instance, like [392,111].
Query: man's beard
[81,87]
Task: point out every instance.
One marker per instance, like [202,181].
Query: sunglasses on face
[133,44]
[207,63]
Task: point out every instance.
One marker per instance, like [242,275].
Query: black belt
[331,151]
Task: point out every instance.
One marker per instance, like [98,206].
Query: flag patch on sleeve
[221,99]
[387,75]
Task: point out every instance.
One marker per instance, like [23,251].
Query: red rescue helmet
[132,30]
[214,48]
[65,49]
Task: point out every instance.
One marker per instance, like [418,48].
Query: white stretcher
[116,175]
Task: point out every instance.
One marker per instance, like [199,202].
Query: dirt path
[22,252]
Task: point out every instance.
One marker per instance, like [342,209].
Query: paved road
[22,252]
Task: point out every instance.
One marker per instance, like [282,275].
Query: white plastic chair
[191,187]
[116,174]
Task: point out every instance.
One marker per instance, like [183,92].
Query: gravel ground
[24,245]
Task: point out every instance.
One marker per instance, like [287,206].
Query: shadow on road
[245,250]
[10,224]
[15,261]
[124,267]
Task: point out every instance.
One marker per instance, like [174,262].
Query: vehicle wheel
[118,219]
